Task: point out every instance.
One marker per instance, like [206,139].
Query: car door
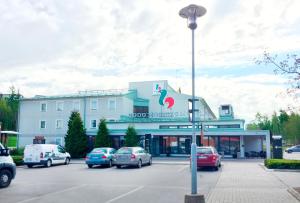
[61,154]
[143,156]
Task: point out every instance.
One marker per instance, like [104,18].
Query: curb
[278,170]
[294,193]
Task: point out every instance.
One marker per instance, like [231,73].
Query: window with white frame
[112,104]
[42,124]
[59,124]
[58,141]
[59,106]
[93,123]
[76,105]
[94,104]
[43,107]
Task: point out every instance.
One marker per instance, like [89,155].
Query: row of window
[76,105]
[59,124]
[199,126]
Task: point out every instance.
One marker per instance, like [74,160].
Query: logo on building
[157,87]
[162,99]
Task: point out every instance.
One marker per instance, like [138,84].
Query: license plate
[201,157]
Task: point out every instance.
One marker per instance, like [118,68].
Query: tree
[13,102]
[6,116]
[292,128]
[102,138]
[276,128]
[131,138]
[76,139]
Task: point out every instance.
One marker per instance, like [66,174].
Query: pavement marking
[57,192]
[125,194]
[182,168]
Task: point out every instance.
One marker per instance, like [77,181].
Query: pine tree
[76,139]
[102,137]
[131,138]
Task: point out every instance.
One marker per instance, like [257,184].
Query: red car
[208,156]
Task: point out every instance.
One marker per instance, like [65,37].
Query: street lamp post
[191,13]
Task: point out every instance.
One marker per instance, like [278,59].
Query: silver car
[132,156]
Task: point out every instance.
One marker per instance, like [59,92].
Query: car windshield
[204,151]
[124,151]
[99,150]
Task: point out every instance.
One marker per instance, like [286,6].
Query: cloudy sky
[63,46]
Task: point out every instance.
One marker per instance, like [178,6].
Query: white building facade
[158,113]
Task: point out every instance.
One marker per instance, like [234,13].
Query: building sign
[162,99]
[157,87]
[158,115]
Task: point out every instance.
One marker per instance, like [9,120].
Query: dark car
[292,149]
[100,156]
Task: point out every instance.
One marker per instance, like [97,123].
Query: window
[141,110]
[43,124]
[58,140]
[59,124]
[94,104]
[43,107]
[76,105]
[59,106]
[112,104]
[93,123]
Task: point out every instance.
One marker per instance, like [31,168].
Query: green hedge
[282,164]
[17,152]
[18,160]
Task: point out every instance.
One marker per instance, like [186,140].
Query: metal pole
[193,145]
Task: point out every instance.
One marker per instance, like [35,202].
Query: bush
[18,160]
[282,164]
[17,151]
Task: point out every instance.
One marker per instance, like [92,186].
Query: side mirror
[4,152]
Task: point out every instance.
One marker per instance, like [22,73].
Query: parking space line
[125,194]
[57,192]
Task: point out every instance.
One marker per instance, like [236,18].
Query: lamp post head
[191,12]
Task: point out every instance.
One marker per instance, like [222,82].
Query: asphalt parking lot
[161,182]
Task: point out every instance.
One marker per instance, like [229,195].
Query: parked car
[292,149]
[45,154]
[132,156]
[208,156]
[100,156]
[7,167]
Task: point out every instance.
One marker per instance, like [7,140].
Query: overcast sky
[63,46]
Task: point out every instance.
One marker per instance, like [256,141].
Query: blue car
[100,156]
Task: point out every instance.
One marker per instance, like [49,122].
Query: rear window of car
[204,151]
[99,151]
[124,151]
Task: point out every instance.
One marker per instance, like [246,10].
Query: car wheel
[67,161]
[139,164]
[150,161]
[5,178]
[90,165]
[48,163]
[119,166]
[29,165]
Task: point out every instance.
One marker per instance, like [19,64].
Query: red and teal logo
[163,99]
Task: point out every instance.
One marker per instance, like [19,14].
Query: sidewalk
[248,182]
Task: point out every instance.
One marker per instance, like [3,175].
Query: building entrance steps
[246,181]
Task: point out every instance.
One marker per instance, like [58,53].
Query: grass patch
[282,164]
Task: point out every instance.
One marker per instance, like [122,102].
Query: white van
[45,154]
[7,167]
